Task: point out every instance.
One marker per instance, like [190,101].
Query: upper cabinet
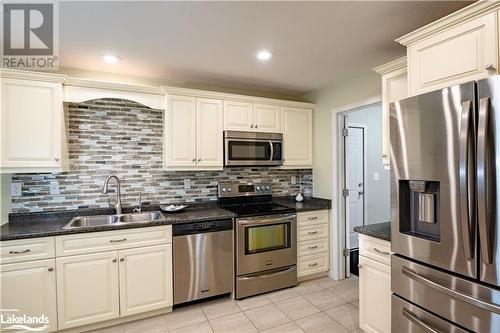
[460,47]
[193,133]
[32,126]
[297,125]
[250,117]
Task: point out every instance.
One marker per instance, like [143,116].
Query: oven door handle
[288,218]
[257,277]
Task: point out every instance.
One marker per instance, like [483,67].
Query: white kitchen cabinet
[30,287]
[312,244]
[238,116]
[297,126]
[87,289]
[32,126]
[374,285]
[145,279]
[394,88]
[267,118]
[193,133]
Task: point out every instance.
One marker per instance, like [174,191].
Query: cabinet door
[180,132]
[297,137]
[267,118]
[87,289]
[238,116]
[456,55]
[374,296]
[31,124]
[30,287]
[394,88]
[209,140]
[145,279]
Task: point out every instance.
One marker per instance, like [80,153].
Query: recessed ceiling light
[264,55]
[110,58]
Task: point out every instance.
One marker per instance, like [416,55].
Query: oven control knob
[258,188]
[224,189]
[229,189]
[268,188]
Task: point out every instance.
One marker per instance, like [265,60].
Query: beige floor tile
[283,294]
[286,328]
[324,300]
[320,323]
[183,317]
[253,302]
[196,328]
[346,284]
[355,304]
[155,324]
[347,315]
[219,308]
[328,282]
[305,288]
[267,316]
[235,323]
[112,329]
[297,307]
[348,294]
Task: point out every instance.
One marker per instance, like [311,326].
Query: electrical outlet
[294,180]
[16,189]
[187,184]
[54,188]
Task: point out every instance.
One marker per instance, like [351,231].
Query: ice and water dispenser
[419,209]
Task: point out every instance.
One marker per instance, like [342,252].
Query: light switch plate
[16,189]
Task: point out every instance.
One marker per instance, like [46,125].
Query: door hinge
[346,252]
[345,192]
[345,132]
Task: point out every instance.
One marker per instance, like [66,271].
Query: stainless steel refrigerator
[445,199]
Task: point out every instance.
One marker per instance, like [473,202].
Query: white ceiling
[213,43]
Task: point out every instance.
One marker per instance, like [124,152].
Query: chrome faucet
[118,203]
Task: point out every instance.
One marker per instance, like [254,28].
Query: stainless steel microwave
[252,149]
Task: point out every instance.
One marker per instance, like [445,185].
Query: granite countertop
[31,225]
[378,230]
[309,203]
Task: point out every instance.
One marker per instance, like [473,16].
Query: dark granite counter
[379,230]
[309,203]
[31,225]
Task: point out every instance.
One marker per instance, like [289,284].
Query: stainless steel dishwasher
[203,259]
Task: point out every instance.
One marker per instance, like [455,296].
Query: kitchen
[131,204]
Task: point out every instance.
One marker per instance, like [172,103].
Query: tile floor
[315,306]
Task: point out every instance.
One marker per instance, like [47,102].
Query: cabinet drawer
[315,217]
[312,246]
[312,264]
[375,249]
[27,249]
[312,232]
[112,240]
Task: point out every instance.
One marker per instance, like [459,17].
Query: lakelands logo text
[30,35]
[13,320]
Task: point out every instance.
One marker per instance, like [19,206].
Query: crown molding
[87,83]
[391,66]
[32,75]
[465,14]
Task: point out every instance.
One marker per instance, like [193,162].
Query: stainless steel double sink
[113,220]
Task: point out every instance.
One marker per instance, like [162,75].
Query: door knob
[361,192]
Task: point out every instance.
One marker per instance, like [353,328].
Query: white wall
[377,192]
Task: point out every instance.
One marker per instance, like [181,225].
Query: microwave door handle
[465,178]
[272,150]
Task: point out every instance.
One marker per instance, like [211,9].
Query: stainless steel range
[266,239]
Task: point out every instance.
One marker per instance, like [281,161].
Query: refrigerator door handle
[483,195]
[465,130]
[414,319]
[450,292]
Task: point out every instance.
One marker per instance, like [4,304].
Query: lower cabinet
[30,287]
[312,244]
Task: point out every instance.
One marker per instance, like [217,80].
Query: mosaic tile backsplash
[121,137]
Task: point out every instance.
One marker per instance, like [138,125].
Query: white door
[238,116]
[297,137]
[180,131]
[87,289]
[267,118]
[374,296]
[145,279]
[31,123]
[209,140]
[355,181]
[30,287]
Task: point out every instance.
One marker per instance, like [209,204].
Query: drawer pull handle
[312,232]
[312,247]
[312,218]
[117,240]
[313,264]
[381,252]
[50,269]
[20,252]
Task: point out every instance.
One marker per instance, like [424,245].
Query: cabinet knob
[360,266]
[122,259]
[199,160]
[490,68]
[384,155]
[56,159]
[256,126]
[194,160]
[114,260]
[251,126]
[50,269]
